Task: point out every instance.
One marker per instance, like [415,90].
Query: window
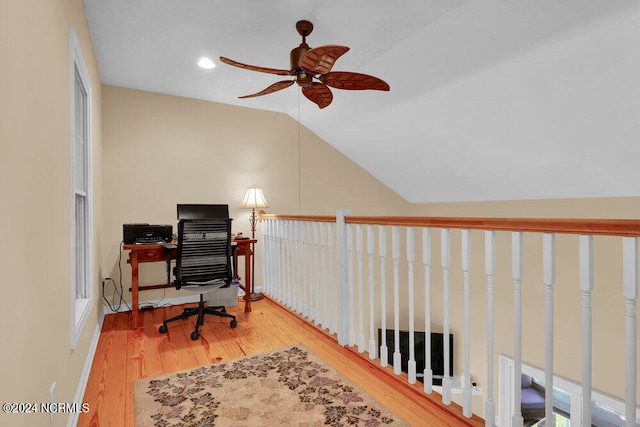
[606,411]
[81,197]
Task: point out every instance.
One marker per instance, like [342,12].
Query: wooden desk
[155,253]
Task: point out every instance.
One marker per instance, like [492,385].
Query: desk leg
[247,278]
[134,288]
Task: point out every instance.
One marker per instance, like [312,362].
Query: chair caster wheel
[162,329]
[233,323]
[195,335]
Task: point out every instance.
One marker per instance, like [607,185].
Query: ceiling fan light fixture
[206,63]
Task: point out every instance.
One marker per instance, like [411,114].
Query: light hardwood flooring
[124,355]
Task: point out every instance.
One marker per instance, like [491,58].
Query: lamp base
[256,296]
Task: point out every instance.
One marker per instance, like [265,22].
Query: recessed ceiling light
[206,63]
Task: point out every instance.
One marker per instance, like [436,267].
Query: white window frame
[506,397]
[80,306]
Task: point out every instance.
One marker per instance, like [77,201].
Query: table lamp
[253,199]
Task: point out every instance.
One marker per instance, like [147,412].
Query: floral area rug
[289,386]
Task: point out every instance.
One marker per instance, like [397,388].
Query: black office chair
[203,264]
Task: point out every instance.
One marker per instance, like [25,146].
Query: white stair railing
[298,271]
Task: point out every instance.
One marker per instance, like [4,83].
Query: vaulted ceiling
[489,100]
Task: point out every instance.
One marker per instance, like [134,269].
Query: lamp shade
[254,198]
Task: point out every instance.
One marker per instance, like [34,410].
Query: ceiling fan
[312,71]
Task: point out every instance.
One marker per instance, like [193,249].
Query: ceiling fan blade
[256,68]
[319,94]
[273,88]
[353,81]
[320,60]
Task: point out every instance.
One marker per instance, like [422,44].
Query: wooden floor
[124,355]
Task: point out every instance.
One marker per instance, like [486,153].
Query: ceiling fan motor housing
[302,77]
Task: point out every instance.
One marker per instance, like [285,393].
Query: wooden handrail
[313,218]
[604,227]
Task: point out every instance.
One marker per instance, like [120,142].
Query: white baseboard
[84,377]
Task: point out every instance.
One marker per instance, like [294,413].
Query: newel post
[343,276]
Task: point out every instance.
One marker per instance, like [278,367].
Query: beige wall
[608,303]
[35,194]
[161,150]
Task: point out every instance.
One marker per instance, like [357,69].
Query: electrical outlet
[52,400]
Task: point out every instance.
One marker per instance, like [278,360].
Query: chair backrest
[204,251]
[200,211]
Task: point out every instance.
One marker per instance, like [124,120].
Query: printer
[142,233]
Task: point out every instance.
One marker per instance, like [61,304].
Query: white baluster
[549,278]
[395,249]
[311,273]
[490,270]
[295,284]
[467,410]
[269,263]
[332,320]
[304,277]
[384,351]
[266,283]
[352,331]
[445,236]
[285,264]
[323,268]
[316,275]
[586,286]
[360,290]
[290,272]
[372,340]
[411,365]
[300,266]
[517,267]
[281,263]
[426,260]
[630,291]
[275,260]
